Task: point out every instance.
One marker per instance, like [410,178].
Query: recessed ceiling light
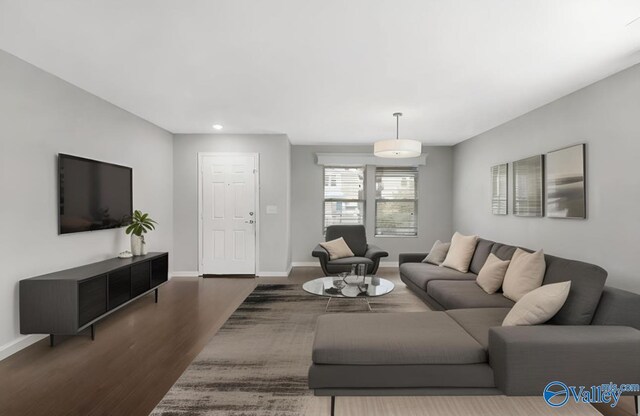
[217,126]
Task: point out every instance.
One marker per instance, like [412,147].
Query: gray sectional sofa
[461,348]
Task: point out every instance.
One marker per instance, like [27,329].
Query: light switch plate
[272,209]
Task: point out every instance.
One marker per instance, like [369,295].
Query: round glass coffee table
[354,288]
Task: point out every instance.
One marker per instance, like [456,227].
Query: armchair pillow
[438,253]
[460,252]
[539,305]
[492,274]
[337,249]
[525,273]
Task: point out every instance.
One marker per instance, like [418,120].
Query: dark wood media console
[69,301]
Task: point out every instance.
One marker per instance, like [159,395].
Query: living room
[277,208]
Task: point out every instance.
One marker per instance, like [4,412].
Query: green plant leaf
[141,223]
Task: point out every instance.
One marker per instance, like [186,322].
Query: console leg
[636,400]
[333,405]
[93,333]
[51,340]
[156,295]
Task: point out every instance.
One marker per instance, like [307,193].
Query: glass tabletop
[353,287]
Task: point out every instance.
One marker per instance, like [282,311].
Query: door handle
[249,222]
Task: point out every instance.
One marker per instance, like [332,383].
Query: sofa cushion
[539,305]
[618,307]
[323,376]
[492,274]
[503,251]
[525,273]
[483,249]
[587,283]
[438,253]
[337,249]
[350,260]
[422,273]
[478,321]
[354,235]
[460,252]
[393,339]
[465,294]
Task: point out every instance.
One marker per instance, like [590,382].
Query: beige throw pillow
[460,252]
[438,253]
[525,273]
[337,249]
[492,274]
[539,305]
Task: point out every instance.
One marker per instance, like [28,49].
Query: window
[396,202]
[343,196]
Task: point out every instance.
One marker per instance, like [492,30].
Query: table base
[366,299]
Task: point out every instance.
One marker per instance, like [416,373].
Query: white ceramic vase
[138,246]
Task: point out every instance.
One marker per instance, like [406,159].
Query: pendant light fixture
[397,148]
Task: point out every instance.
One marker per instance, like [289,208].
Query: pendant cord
[397,116]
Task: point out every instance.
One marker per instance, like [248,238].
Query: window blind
[396,201]
[344,196]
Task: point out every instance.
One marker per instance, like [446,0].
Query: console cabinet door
[92,299]
[119,287]
[140,278]
[159,270]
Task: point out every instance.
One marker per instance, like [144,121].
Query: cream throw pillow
[438,253]
[525,273]
[460,252]
[539,305]
[492,274]
[337,249]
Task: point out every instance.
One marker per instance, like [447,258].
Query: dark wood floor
[139,352]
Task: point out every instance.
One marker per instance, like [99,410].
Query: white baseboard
[272,274]
[13,347]
[305,264]
[317,264]
[185,274]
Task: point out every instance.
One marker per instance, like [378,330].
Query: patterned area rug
[257,363]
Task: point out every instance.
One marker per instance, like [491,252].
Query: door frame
[256,166]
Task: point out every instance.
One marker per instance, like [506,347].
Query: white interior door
[228,214]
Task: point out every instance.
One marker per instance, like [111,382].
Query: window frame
[325,200]
[416,175]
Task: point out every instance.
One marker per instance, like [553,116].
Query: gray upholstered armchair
[356,238]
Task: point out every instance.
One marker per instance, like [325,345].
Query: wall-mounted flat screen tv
[93,195]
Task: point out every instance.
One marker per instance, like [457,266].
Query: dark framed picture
[566,196]
[499,189]
[528,188]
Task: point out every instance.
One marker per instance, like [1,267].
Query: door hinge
[254,171]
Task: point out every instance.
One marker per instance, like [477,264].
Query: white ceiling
[326,71]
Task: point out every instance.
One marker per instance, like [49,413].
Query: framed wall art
[499,189]
[566,183]
[528,192]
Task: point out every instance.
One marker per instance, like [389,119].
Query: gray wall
[605,115]
[41,116]
[434,202]
[275,178]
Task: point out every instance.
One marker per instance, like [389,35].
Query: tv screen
[93,195]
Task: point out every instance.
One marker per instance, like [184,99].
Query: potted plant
[140,225]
